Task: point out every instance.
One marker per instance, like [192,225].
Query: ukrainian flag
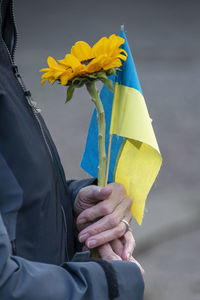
[135,156]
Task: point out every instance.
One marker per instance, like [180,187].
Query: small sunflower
[86,63]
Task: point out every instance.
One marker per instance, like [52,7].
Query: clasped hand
[99,212]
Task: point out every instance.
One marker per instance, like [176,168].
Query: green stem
[102,127]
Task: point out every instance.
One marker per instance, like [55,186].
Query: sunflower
[84,60]
[85,65]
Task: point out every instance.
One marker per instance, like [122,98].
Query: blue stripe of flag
[126,76]
[90,159]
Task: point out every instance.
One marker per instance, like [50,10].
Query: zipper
[16,32]
[35,112]
[32,104]
[27,93]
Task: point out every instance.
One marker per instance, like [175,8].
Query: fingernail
[91,244]
[83,237]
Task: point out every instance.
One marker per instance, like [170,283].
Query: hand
[100,211]
[122,248]
[114,250]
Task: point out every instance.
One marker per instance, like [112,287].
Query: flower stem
[102,127]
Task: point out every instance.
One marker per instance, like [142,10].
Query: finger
[95,193]
[129,245]
[107,253]
[132,259]
[95,212]
[106,223]
[106,236]
[81,227]
[117,246]
[100,207]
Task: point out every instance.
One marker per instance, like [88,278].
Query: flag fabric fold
[135,155]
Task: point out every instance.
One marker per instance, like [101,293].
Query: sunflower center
[87,61]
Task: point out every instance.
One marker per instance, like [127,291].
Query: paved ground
[164,36]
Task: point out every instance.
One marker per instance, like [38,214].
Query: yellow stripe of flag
[139,160]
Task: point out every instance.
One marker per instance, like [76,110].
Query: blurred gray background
[165,40]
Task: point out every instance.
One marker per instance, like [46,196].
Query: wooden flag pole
[108,161]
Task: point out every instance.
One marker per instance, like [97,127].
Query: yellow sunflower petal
[119,52]
[96,64]
[100,47]
[123,51]
[82,51]
[53,64]
[115,41]
[47,75]
[43,81]
[70,61]
[65,77]
[80,70]
[57,74]
[121,56]
[51,80]
[44,70]
[110,48]
[116,63]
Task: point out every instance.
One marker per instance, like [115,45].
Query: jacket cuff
[124,279]
[130,279]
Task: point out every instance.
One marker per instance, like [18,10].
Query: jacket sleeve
[26,280]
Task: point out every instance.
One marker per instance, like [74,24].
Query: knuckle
[120,230]
[118,187]
[106,209]
[81,193]
[93,231]
[88,215]
[113,221]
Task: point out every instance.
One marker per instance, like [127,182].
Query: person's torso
[31,155]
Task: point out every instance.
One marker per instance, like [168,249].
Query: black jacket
[36,214]
[26,145]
